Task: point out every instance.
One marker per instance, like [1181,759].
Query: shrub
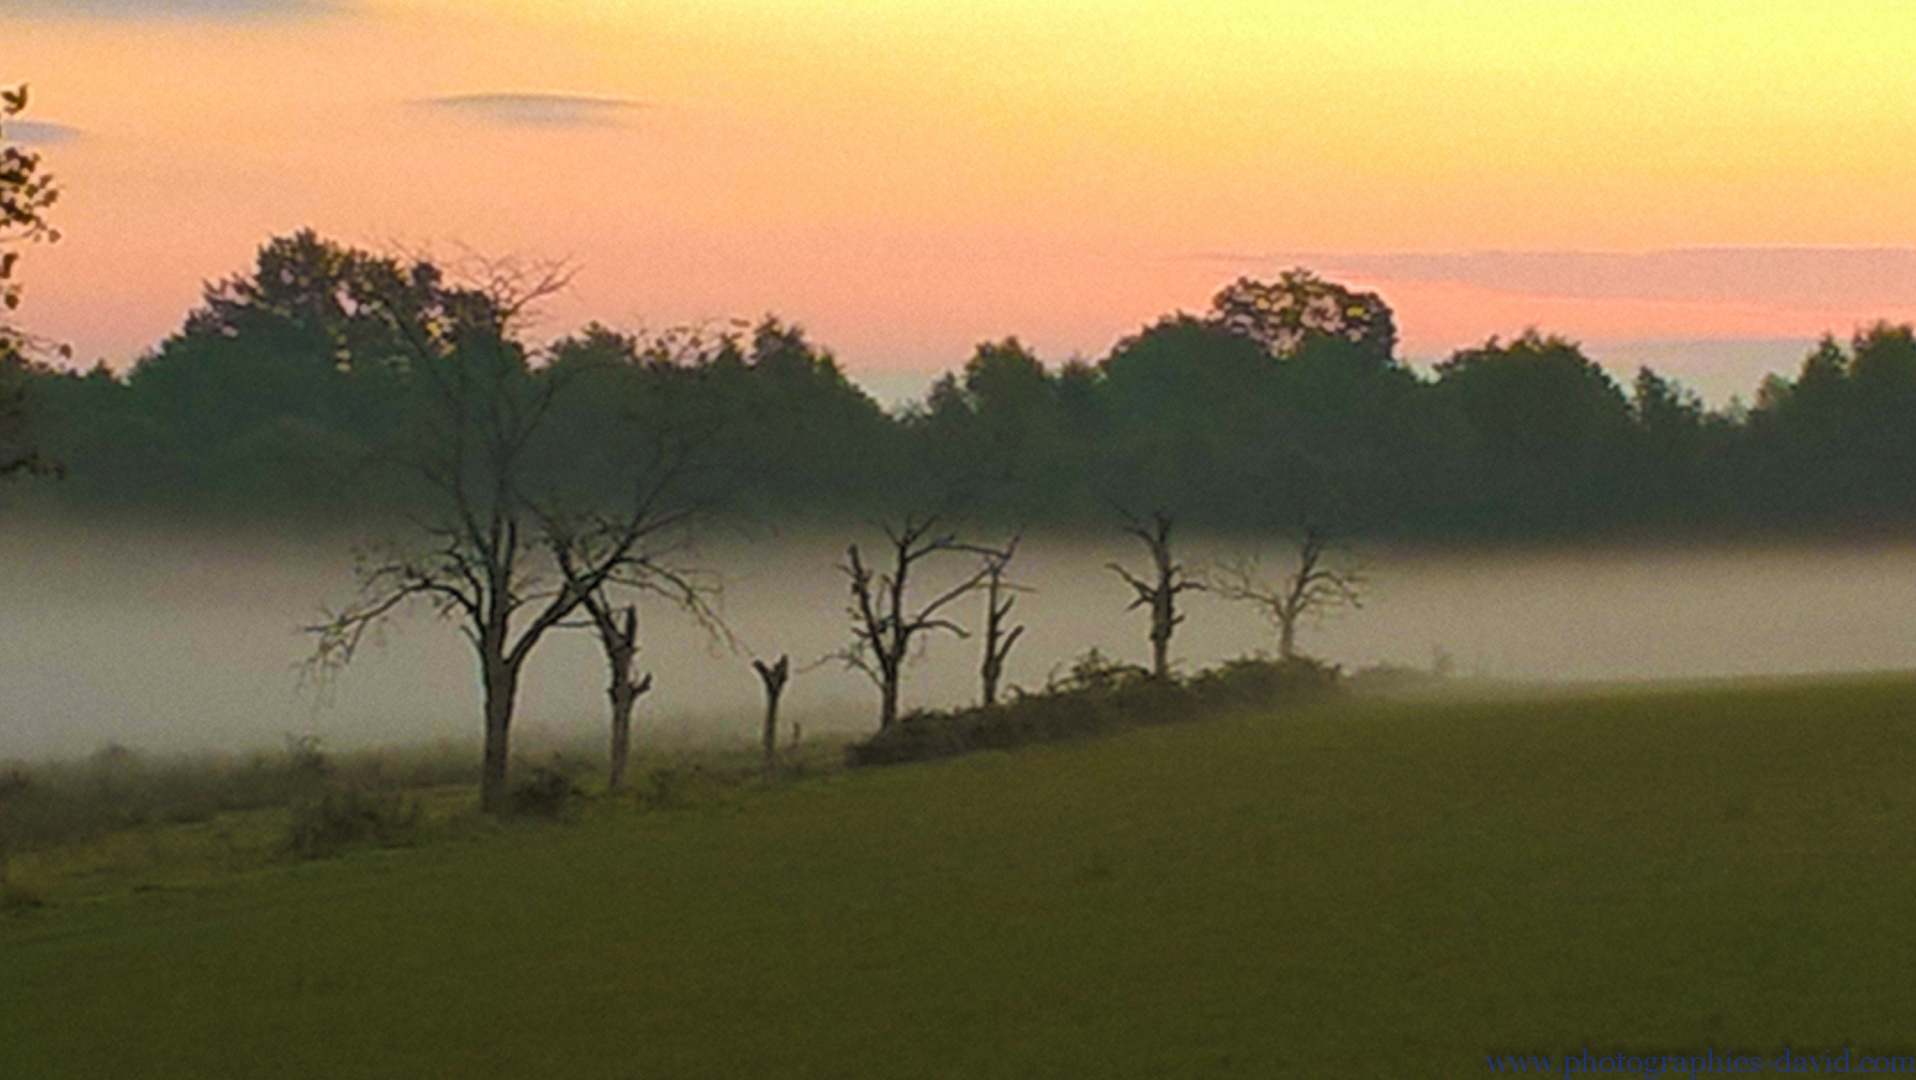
[1096,697]
[1257,680]
[548,792]
[342,816]
[1093,672]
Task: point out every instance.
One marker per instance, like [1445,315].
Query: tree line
[1284,404]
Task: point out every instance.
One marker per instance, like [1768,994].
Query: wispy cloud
[538,110]
[39,132]
[169,9]
[1798,277]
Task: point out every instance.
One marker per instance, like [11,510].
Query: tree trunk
[888,703]
[619,635]
[1163,623]
[1287,638]
[998,607]
[624,695]
[769,737]
[773,676]
[502,685]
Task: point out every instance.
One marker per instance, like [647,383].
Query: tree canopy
[1282,407]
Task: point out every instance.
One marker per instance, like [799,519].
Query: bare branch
[885,625]
[1319,584]
[1161,593]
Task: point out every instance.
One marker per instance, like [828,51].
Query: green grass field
[1363,890]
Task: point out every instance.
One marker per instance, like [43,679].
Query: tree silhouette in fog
[888,623]
[1323,579]
[504,540]
[1158,590]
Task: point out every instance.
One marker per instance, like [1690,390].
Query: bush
[1096,697]
[343,816]
[1256,681]
[1093,672]
[548,792]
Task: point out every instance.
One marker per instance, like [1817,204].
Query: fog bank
[169,642]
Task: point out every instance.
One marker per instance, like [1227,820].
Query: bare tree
[496,548]
[1160,594]
[884,622]
[774,676]
[618,634]
[1000,595]
[1321,582]
[649,570]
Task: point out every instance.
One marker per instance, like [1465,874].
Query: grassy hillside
[1363,890]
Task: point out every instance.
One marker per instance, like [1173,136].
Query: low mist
[168,642]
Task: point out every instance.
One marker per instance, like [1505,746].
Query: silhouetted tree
[1550,431]
[634,400]
[500,542]
[1000,595]
[885,622]
[1320,583]
[773,677]
[1002,425]
[1282,316]
[1675,435]
[286,379]
[618,634]
[26,193]
[800,436]
[649,570]
[1160,593]
[1838,438]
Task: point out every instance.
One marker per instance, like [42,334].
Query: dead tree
[654,572]
[1160,594]
[774,676]
[618,634]
[491,548]
[884,622]
[1320,583]
[1000,595]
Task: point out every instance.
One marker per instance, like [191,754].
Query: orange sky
[906,177]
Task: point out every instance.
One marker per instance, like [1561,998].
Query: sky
[1706,186]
